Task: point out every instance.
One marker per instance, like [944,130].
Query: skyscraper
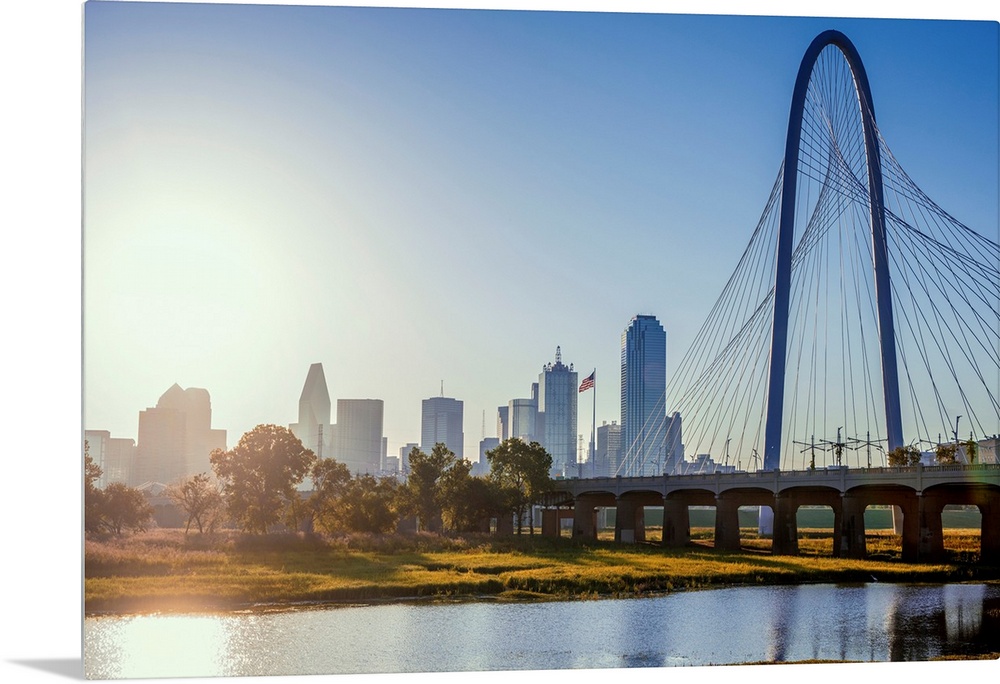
[523,421]
[441,422]
[357,436]
[114,455]
[176,437]
[643,396]
[557,399]
[675,445]
[503,422]
[404,456]
[314,428]
[95,446]
[482,467]
[608,450]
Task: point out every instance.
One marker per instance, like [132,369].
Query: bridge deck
[842,479]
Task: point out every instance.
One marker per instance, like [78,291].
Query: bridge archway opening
[751,536]
[868,529]
[887,538]
[702,524]
[960,522]
[649,518]
[962,528]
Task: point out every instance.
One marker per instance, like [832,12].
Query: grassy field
[162,570]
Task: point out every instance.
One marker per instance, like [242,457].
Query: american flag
[588,382]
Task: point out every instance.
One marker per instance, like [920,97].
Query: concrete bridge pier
[838,527]
[585,518]
[852,531]
[989,538]
[630,521]
[676,523]
[930,533]
[552,520]
[727,523]
[785,533]
[912,524]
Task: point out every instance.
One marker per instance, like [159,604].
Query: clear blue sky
[925,91]
[411,196]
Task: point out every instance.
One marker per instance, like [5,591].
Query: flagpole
[593,432]
[589,383]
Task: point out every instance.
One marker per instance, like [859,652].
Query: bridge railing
[704,477]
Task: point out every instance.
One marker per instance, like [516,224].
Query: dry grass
[164,570]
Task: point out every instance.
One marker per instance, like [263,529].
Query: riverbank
[166,571]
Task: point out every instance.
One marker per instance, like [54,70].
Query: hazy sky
[418,196]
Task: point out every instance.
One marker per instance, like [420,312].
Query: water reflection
[963,613]
[781,618]
[169,646]
[873,622]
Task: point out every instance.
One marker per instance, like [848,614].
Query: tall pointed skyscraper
[314,427]
[643,394]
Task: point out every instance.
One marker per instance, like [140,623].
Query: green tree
[422,495]
[259,475]
[114,509]
[330,479]
[454,488]
[521,471]
[471,501]
[904,456]
[369,504]
[200,499]
[124,508]
[93,496]
[945,453]
[971,447]
[296,510]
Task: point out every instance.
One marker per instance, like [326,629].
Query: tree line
[255,487]
[945,453]
[114,509]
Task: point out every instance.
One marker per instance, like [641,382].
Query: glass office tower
[557,400]
[643,396]
[441,420]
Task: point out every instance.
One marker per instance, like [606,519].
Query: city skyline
[318,421]
[608,149]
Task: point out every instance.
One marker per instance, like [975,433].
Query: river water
[869,622]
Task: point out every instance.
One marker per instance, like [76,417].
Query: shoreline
[163,571]
[503,597]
